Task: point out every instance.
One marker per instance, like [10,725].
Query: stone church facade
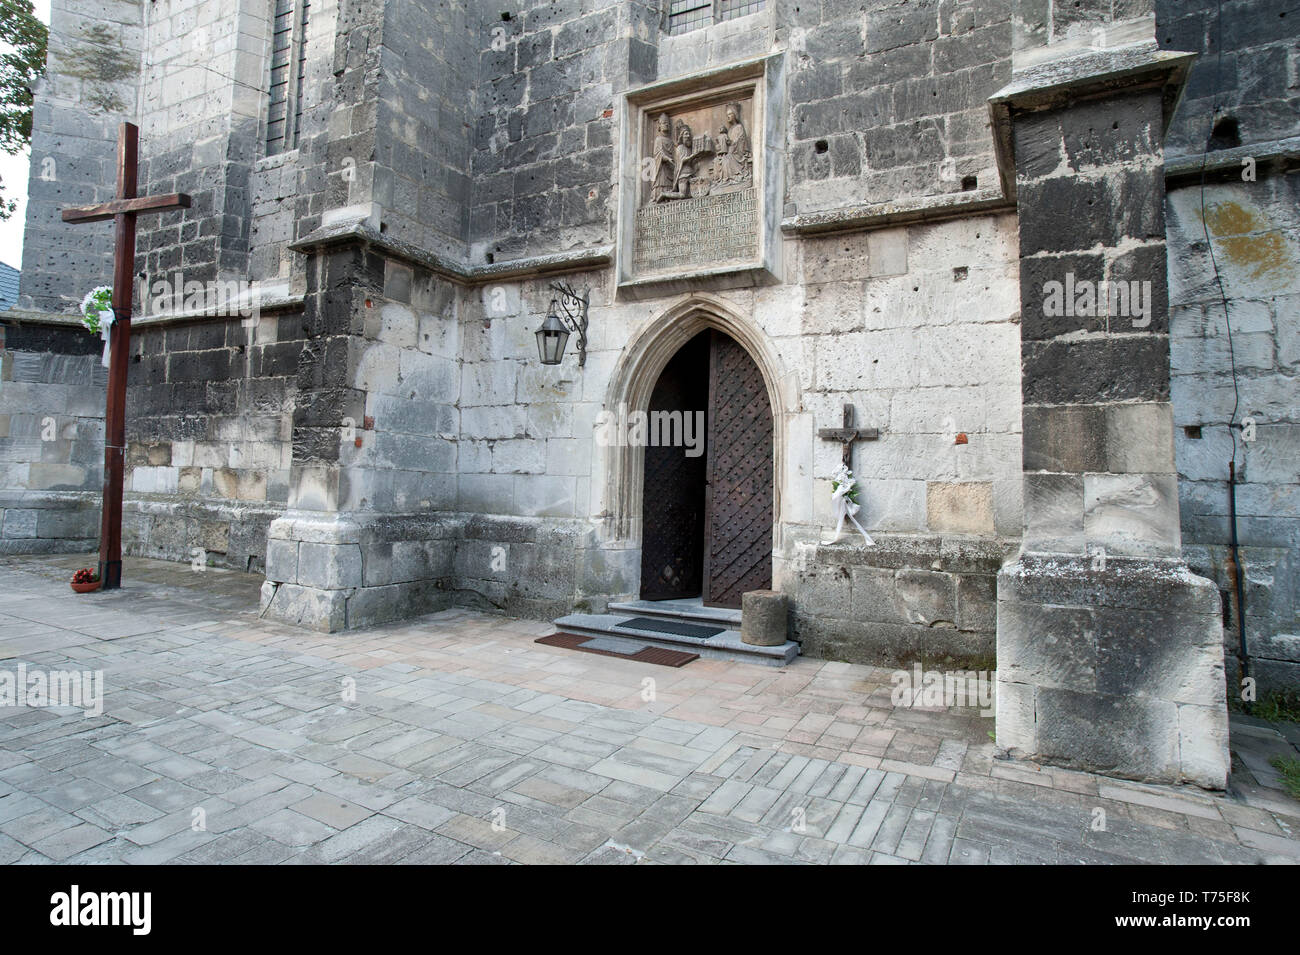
[775,209]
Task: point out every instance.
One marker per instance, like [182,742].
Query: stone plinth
[1116,670]
[763,618]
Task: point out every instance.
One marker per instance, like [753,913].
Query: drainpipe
[1237,577]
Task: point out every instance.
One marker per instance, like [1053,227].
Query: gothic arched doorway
[707,506]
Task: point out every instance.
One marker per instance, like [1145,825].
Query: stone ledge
[907,551]
[1183,169]
[718,279]
[361,232]
[914,209]
[890,644]
[1078,74]
[1064,580]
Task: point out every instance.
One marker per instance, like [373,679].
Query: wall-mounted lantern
[568,313]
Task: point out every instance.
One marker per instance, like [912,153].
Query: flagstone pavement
[456,739]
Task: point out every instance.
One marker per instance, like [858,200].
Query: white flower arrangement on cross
[97,314]
[844,504]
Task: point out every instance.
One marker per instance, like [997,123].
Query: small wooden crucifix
[848,434]
[122,211]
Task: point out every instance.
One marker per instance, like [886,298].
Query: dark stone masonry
[980,224]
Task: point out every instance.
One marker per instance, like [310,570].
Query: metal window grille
[288,71]
[684,15]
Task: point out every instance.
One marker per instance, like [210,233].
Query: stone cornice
[361,232]
[913,209]
[1079,74]
[1182,168]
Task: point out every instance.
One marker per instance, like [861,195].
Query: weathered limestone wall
[51,437]
[1255,228]
[885,104]
[209,415]
[929,355]
[89,87]
[289,191]
[1252,198]
[373,461]
[888,100]
[422,147]
[200,121]
[549,75]
[915,326]
[1253,83]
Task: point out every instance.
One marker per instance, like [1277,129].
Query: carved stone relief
[698,203]
[698,152]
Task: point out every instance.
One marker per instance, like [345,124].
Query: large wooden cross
[848,434]
[122,211]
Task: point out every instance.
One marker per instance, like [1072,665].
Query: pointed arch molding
[634,378]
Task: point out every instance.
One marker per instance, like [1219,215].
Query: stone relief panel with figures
[697,203]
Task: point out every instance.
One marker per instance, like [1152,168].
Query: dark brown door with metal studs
[707,520]
[738,498]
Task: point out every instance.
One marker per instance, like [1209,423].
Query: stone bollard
[763,618]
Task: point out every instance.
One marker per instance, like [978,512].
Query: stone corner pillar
[1110,651]
[314,550]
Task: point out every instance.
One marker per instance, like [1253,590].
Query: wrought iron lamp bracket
[573,312]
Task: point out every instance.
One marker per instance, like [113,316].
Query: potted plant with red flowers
[85,580]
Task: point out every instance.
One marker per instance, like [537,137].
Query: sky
[13,173]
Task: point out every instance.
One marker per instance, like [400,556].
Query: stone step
[685,611]
[726,645]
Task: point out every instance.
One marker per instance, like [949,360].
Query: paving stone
[334,812]
[756,803]
[418,812]
[243,720]
[68,842]
[292,828]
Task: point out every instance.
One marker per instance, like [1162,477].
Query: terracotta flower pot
[87,588]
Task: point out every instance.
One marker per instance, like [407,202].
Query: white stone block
[1203,745]
[544,495]
[1134,515]
[1016,721]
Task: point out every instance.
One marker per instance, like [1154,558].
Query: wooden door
[738,496]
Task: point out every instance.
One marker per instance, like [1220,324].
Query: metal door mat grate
[659,656]
[654,625]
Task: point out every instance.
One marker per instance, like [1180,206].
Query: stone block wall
[1237,119]
[290,191]
[544,133]
[886,100]
[199,95]
[1255,229]
[917,327]
[889,99]
[931,600]
[367,536]
[422,169]
[209,417]
[51,437]
[1252,83]
[89,87]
